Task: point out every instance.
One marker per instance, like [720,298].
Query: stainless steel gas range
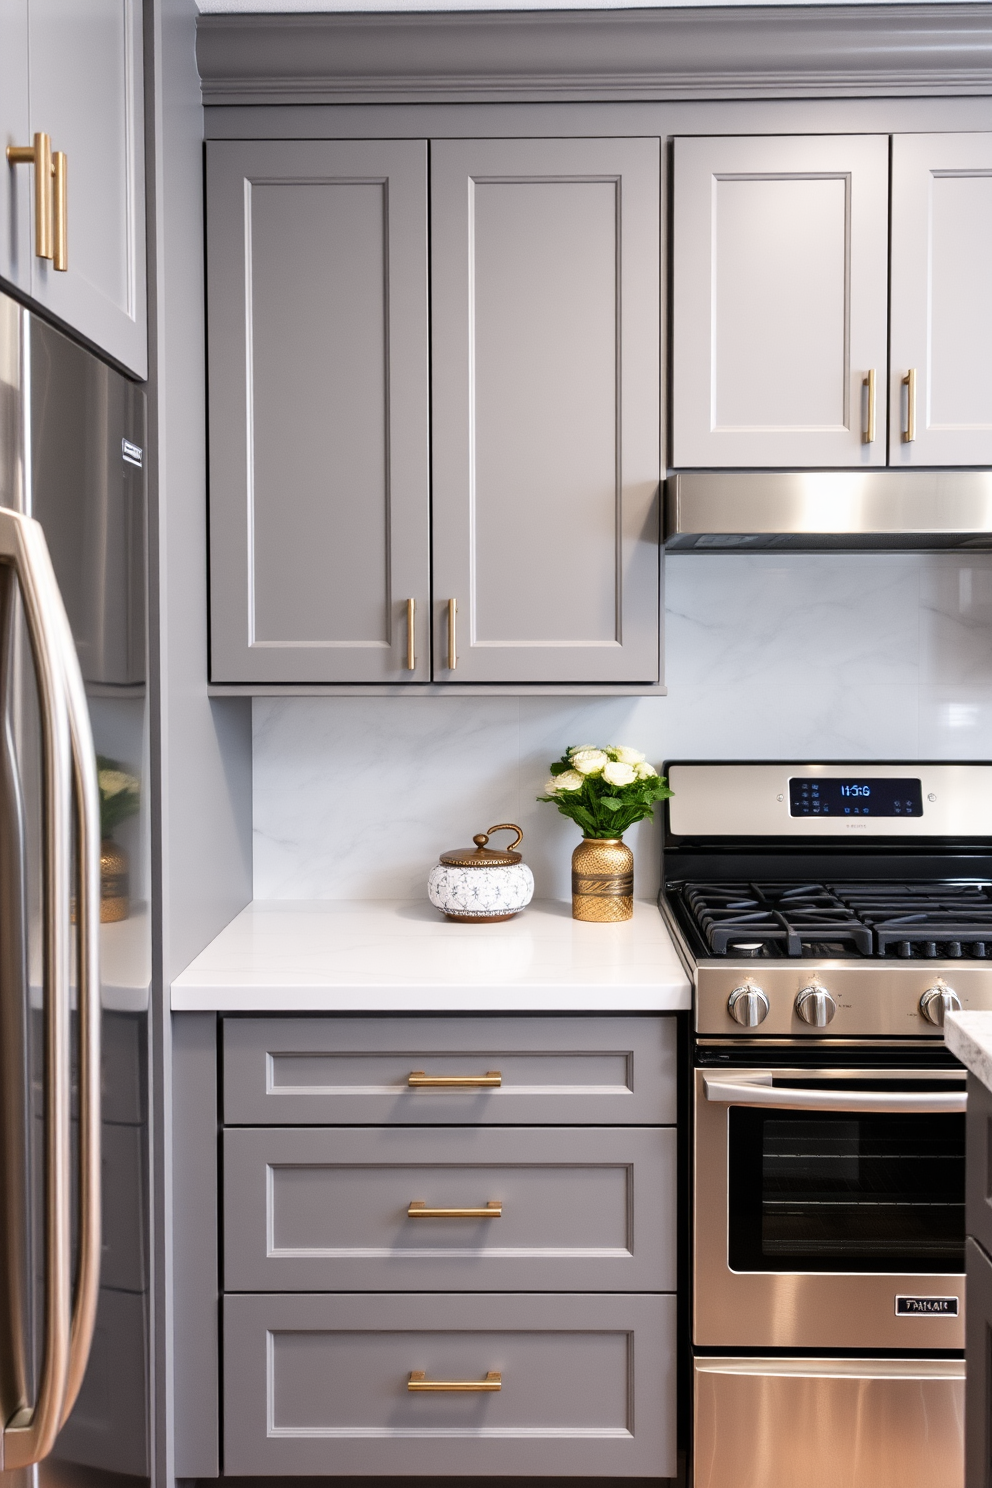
[829,915]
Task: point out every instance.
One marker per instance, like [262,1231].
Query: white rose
[550,786]
[568,780]
[579,749]
[644,771]
[112,782]
[589,761]
[626,756]
[618,774]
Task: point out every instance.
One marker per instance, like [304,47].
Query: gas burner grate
[909,921]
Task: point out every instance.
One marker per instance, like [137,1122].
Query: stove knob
[938,1000]
[748,1005]
[815,1005]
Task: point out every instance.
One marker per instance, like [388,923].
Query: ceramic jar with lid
[482,883]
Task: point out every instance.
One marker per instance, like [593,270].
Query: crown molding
[793,51]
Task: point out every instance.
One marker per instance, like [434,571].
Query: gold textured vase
[602,880]
[115,900]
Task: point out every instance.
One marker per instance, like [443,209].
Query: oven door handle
[750,1091]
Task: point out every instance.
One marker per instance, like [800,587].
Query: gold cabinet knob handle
[452,635]
[869,382]
[411,637]
[40,156]
[417,1080]
[60,211]
[909,383]
[418,1382]
[418,1210]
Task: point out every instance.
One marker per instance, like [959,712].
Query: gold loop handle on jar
[500,827]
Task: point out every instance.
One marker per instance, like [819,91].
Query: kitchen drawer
[355,1071]
[589,1209]
[317,1385]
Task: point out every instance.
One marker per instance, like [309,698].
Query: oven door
[829,1209]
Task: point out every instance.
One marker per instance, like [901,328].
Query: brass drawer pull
[491,1080]
[419,1382]
[868,437]
[452,639]
[418,1210]
[411,650]
[909,383]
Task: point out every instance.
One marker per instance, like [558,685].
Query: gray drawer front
[978,1167]
[353,1071]
[583,1208]
[317,1385]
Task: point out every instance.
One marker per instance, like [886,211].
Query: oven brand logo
[926,1306]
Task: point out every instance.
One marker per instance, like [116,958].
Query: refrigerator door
[71,455]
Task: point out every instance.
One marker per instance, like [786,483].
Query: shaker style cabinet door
[86,94]
[16,216]
[940,388]
[319,475]
[545,270]
[779,307]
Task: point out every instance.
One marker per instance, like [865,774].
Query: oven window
[836,1192]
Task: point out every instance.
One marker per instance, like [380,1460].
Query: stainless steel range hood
[734,511]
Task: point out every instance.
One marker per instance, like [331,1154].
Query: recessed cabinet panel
[86,93]
[779,310]
[545,274]
[941,372]
[317,288]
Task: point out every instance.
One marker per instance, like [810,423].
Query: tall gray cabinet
[458,486]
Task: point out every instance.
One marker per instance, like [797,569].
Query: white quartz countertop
[969,1036]
[399,956]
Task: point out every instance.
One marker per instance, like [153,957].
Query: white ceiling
[272,7]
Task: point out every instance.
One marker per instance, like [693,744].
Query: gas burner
[931,920]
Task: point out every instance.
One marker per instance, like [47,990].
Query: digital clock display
[861,797]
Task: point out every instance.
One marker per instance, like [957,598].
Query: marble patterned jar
[483,883]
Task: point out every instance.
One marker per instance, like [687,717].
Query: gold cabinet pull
[909,383]
[411,650]
[60,212]
[419,1382]
[452,639]
[869,382]
[491,1080]
[40,156]
[418,1210]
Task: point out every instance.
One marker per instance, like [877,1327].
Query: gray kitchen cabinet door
[331,1209]
[16,196]
[319,475]
[86,92]
[357,1071]
[780,300]
[545,271]
[318,1385]
[941,300]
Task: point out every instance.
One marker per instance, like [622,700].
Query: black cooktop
[897,920]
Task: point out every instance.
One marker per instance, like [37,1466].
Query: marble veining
[768,656]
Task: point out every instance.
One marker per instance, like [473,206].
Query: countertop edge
[969,1036]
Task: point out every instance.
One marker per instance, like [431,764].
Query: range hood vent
[840,510]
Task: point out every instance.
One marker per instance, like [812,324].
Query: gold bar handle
[869,382]
[418,1382]
[452,636]
[491,1080]
[60,212]
[411,651]
[418,1210]
[909,383]
[40,156]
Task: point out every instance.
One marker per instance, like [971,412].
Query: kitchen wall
[768,656]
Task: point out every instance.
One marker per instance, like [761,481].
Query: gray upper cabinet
[318,365]
[74,73]
[941,372]
[528,551]
[779,314]
[545,277]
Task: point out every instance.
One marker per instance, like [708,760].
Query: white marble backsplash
[768,656]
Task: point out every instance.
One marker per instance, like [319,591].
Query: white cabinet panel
[942,299]
[16,218]
[779,307]
[86,92]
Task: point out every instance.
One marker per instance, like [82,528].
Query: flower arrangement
[120,794]
[604,791]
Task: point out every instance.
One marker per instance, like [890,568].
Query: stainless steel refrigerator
[75,944]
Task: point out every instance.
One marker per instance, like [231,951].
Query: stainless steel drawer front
[590,1209]
[319,1385]
[315,1071]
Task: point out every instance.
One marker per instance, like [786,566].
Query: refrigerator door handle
[31,1434]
